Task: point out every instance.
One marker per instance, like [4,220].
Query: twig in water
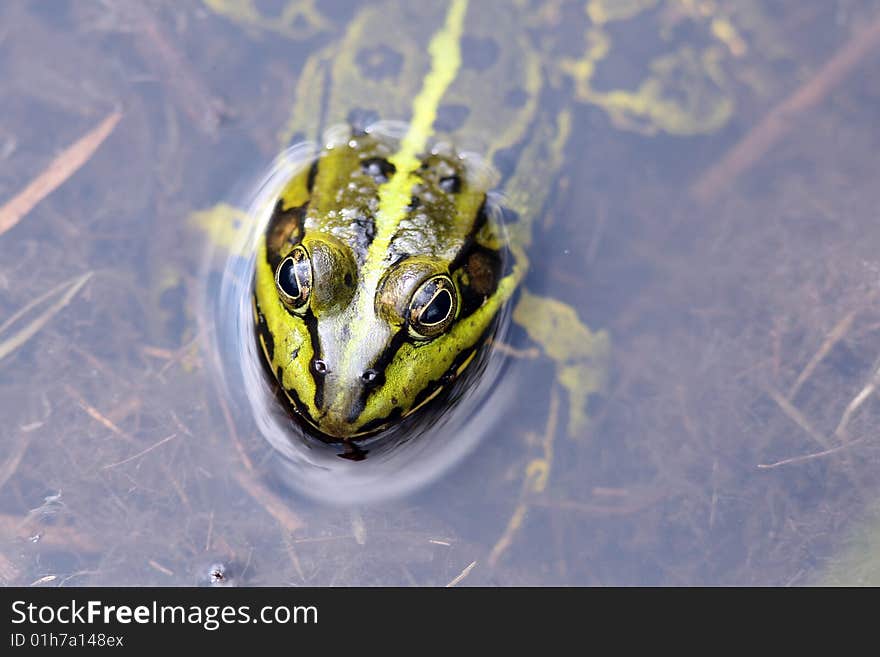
[797,417]
[537,473]
[808,457]
[141,453]
[868,390]
[59,170]
[834,336]
[274,505]
[99,417]
[464,573]
[780,120]
[53,300]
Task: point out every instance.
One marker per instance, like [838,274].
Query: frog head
[362,323]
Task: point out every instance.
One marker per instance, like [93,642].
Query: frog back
[495,106]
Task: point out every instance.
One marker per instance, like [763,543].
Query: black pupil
[287,279]
[451,184]
[438,309]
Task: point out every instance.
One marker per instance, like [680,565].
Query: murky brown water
[736,442]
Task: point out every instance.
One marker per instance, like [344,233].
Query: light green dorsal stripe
[394,196]
[445,52]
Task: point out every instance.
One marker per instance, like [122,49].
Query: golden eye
[293,279]
[433,307]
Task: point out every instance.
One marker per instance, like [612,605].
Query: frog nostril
[321,367]
[370,376]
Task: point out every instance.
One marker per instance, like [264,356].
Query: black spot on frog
[479,53]
[380,62]
[451,117]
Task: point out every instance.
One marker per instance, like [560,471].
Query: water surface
[736,440]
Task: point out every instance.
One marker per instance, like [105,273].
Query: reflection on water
[735,442]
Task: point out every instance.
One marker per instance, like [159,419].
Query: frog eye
[433,307]
[293,279]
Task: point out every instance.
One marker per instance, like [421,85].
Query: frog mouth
[320,429]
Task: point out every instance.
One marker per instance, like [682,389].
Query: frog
[680,92]
[484,94]
[391,256]
[426,75]
[478,113]
[420,267]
